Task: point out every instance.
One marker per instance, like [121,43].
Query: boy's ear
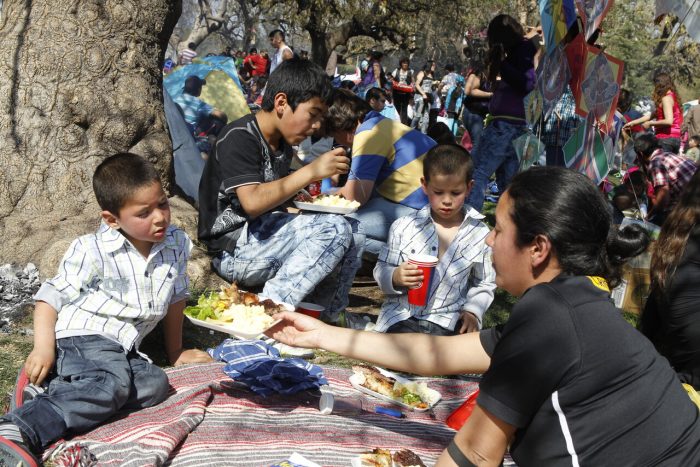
[280,102]
[110,219]
[424,185]
[470,185]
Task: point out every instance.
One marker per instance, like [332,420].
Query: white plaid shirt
[463,280]
[104,286]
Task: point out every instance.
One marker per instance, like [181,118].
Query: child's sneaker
[16,454]
[24,390]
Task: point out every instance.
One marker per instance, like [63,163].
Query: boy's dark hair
[276,32]
[447,159]
[118,177]
[637,178]
[696,138]
[374,93]
[346,111]
[253,50]
[645,143]
[192,45]
[441,133]
[301,80]
[376,55]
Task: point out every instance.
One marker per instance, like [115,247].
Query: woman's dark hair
[376,55]
[503,34]
[301,80]
[403,60]
[428,67]
[662,84]
[567,208]
[646,144]
[673,238]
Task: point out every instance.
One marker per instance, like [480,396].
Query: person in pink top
[669,117]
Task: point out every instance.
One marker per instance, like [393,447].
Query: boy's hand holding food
[407,275]
[331,163]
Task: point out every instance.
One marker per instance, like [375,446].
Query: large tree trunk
[81,79]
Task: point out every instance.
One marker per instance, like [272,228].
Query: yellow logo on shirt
[599,282]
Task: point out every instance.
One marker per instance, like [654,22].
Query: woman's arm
[472,87]
[419,81]
[482,440]
[667,107]
[422,354]
[637,121]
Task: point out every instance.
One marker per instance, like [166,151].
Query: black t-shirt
[584,387]
[672,320]
[241,156]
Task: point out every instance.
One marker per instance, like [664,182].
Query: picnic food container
[430,396]
[419,295]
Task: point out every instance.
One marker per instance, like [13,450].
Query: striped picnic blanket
[208,419]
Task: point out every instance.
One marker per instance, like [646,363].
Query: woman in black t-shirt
[566,380]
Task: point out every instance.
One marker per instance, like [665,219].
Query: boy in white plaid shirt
[463,284]
[111,290]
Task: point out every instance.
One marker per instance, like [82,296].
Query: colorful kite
[599,87]
[586,151]
[592,13]
[552,77]
[557,17]
[533,107]
[529,150]
[584,64]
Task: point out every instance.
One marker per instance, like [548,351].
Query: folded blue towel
[260,367]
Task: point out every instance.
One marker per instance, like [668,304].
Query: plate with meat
[390,387]
[241,314]
[329,203]
[384,458]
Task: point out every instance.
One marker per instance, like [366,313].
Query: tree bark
[81,80]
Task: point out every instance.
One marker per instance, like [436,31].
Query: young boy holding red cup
[461,285]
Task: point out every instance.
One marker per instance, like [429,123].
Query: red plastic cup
[310,309]
[419,295]
[461,414]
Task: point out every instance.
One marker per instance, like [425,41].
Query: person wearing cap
[193,108]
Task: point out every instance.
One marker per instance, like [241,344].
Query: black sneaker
[25,391]
[16,454]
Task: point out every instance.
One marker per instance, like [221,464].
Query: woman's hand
[407,275]
[647,125]
[297,330]
[39,364]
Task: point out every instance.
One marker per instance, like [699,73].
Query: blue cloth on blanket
[260,367]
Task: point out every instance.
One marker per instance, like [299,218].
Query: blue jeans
[95,379]
[375,218]
[297,257]
[474,123]
[420,115]
[495,150]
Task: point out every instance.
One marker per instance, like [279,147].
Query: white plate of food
[238,313]
[390,387]
[329,203]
